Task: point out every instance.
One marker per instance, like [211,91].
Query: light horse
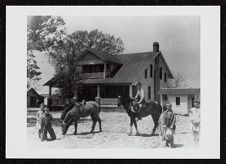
[91,108]
[151,108]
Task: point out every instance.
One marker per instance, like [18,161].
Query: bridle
[126,103]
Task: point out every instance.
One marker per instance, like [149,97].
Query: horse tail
[99,108]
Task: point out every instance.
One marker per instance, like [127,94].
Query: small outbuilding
[180,98]
[33,98]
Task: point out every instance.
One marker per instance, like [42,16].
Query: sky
[178,37]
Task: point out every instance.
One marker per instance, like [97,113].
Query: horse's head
[64,126]
[123,100]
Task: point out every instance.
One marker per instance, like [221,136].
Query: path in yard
[115,127]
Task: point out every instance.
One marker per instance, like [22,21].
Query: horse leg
[76,125]
[131,126]
[155,120]
[99,122]
[94,123]
[135,124]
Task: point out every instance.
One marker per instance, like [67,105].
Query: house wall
[183,107]
[190,102]
[163,84]
[150,80]
[147,82]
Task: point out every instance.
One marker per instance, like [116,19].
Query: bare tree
[178,81]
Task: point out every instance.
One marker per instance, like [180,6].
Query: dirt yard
[115,126]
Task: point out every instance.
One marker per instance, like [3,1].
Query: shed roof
[32,90]
[180,91]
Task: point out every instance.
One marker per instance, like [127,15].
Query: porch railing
[96,75]
[111,102]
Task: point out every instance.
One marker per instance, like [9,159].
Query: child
[195,120]
[39,115]
[47,126]
[169,125]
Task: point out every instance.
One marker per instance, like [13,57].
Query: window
[165,77]
[145,74]
[160,73]
[149,92]
[151,70]
[177,100]
[164,97]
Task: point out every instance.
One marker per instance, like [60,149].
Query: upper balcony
[95,75]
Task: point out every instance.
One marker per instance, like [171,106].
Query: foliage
[63,53]
[41,32]
[178,81]
[32,70]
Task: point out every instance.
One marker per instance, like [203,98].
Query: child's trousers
[51,133]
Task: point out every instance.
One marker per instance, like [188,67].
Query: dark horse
[91,108]
[151,108]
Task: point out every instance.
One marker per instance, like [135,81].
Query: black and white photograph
[100,80]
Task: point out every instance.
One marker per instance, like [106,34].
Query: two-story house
[107,76]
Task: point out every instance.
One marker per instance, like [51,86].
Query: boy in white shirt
[139,99]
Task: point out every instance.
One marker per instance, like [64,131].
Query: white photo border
[16,57]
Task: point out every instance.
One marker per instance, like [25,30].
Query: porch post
[98,90]
[50,91]
[105,70]
[130,90]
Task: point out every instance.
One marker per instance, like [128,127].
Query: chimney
[155,47]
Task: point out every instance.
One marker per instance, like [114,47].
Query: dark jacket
[47,118]
[169,118]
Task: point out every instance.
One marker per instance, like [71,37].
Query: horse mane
[126,98]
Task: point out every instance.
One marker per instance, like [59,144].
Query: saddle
[82,106]
[137,108]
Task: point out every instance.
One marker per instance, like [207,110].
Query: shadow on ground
[178,145]
[83,133]
[146,135]
[31,121]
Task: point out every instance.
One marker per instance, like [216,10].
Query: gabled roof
[52,82]
[133,65]
[100,54]
[180,91]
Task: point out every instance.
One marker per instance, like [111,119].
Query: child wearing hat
[195,120]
